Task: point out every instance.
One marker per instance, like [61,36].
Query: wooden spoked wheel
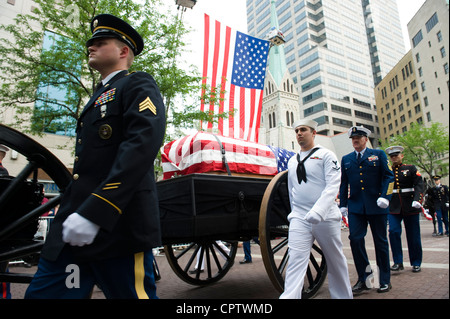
[201,263]
[273,236]
[21,195]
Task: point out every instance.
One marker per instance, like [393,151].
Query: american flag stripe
[237,62]
[200,152]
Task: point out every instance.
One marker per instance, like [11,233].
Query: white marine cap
[358,130]
[312,124]
[3,148]
[397,149]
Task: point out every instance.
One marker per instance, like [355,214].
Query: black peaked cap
[109,26]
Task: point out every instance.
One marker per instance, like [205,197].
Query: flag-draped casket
[212,205]
[203,152]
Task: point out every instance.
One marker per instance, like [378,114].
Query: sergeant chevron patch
[147,104]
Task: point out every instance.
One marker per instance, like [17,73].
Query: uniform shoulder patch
[147,104]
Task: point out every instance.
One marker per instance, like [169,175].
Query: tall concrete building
[416,89]
[429,37]
[397,97]
[336,52]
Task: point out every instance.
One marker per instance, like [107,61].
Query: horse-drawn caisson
[216,192]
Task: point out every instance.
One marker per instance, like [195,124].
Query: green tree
[31,76]
[425,147]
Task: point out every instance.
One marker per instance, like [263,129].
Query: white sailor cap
[358,131]
[312,124]
[3,148]
[394,150]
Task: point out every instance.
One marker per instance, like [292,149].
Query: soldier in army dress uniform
[438,196]
[405,206]
[108,221]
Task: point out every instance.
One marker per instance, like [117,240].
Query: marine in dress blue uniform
[405,206]
[365,191]
[438,196]
[113,192]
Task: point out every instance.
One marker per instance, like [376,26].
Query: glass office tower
[336,52]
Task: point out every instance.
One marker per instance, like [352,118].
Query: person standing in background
[3,150]
[438,196]
[405,206]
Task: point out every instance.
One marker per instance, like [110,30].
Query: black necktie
[301,172]
[359,157]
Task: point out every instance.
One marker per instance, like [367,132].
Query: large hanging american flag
[234,63]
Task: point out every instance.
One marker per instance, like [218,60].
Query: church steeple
[277,58]
[280,108]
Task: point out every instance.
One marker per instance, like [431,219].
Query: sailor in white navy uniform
[313,182]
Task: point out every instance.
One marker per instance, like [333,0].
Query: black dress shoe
[397,267]
[359,287]
[384,288]
[416,269]
[245,261]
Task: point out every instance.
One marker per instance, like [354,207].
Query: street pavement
[250,281]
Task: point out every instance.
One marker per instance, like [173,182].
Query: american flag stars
[282,156]
[249,63]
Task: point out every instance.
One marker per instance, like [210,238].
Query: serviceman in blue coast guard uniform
[108,221]
[366,187]
[405,206]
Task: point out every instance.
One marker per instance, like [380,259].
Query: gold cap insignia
[95,23]
[147,104]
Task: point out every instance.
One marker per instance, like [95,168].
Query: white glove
[382,202]
[446,204]
[416,204]
[313,217]
[344,211]
[79,231]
